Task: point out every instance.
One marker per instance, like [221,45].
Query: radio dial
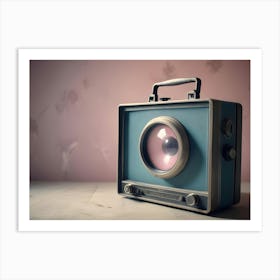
[192,199]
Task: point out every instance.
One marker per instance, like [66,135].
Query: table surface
[100,201]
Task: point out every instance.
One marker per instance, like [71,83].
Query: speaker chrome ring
[183,146]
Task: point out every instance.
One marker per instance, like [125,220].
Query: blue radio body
[197,167]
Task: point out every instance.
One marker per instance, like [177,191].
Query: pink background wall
[73,109]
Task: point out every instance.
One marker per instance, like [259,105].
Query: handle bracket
[195,94]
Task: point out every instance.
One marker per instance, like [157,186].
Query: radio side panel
[226,154]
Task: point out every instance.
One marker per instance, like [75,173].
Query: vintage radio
[185,154]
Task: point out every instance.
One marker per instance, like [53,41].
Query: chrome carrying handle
[174,82]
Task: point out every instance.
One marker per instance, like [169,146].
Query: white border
[24,57]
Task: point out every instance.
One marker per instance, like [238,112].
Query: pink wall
[73,109]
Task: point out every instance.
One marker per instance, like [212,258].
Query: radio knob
[192,199]
[227,128]
[128,188]
[229,153]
